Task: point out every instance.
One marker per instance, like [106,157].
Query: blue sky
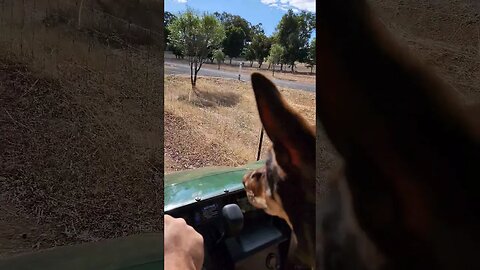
[267,12]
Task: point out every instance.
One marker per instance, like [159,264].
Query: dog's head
[285,187]
[405,198]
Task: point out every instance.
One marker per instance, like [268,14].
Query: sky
[267,12]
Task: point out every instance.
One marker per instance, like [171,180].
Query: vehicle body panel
[186,187]
[136,252]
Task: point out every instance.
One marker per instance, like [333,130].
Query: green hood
[182,188]
[135,252]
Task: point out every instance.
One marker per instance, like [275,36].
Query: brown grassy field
[81,144]
[219,126]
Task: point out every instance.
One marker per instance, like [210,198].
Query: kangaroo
[404,197]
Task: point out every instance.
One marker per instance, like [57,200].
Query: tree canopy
[294,32]
[276,55]
[196,36]
[219,56]
[237,33]
[312,54]
[248,54]
[261,47]
[167,20]
[238,37]
[228,19]
[234,41]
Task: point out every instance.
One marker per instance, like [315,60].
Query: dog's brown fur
[285,187]
[410,149]
[405,196]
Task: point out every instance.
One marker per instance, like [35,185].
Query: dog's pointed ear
[411,154]
[293,139]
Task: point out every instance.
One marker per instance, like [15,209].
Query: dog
[404,196]
[285,186]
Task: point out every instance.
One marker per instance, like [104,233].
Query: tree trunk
[311,69]
[273,70]
[230,60]
[191,73]
[251,63]
[195,75]
[260,65]
[293,68]
[281,67]
[269,65]
[191,81]
[218,65]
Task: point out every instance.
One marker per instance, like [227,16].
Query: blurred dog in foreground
[404,197]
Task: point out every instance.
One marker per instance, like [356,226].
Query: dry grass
[81,145]
[444,34]
[219,126]
[85,165]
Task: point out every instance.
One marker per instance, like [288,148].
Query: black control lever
[233,217]
[232,220]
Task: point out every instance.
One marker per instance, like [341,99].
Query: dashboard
[259,244]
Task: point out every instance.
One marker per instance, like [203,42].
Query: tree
[237,33]
[275,56]
[256,30]
[249,54]
[261,47]
[219,56]
[196,36]
[228,19]
[293,32]
[307,21]
[312,54]
[168,18]
[178,52]
[234,41]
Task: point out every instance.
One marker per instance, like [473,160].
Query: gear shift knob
[233,217]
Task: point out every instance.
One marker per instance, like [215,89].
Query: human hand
[183,246]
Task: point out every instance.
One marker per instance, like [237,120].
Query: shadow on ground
[203,98]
